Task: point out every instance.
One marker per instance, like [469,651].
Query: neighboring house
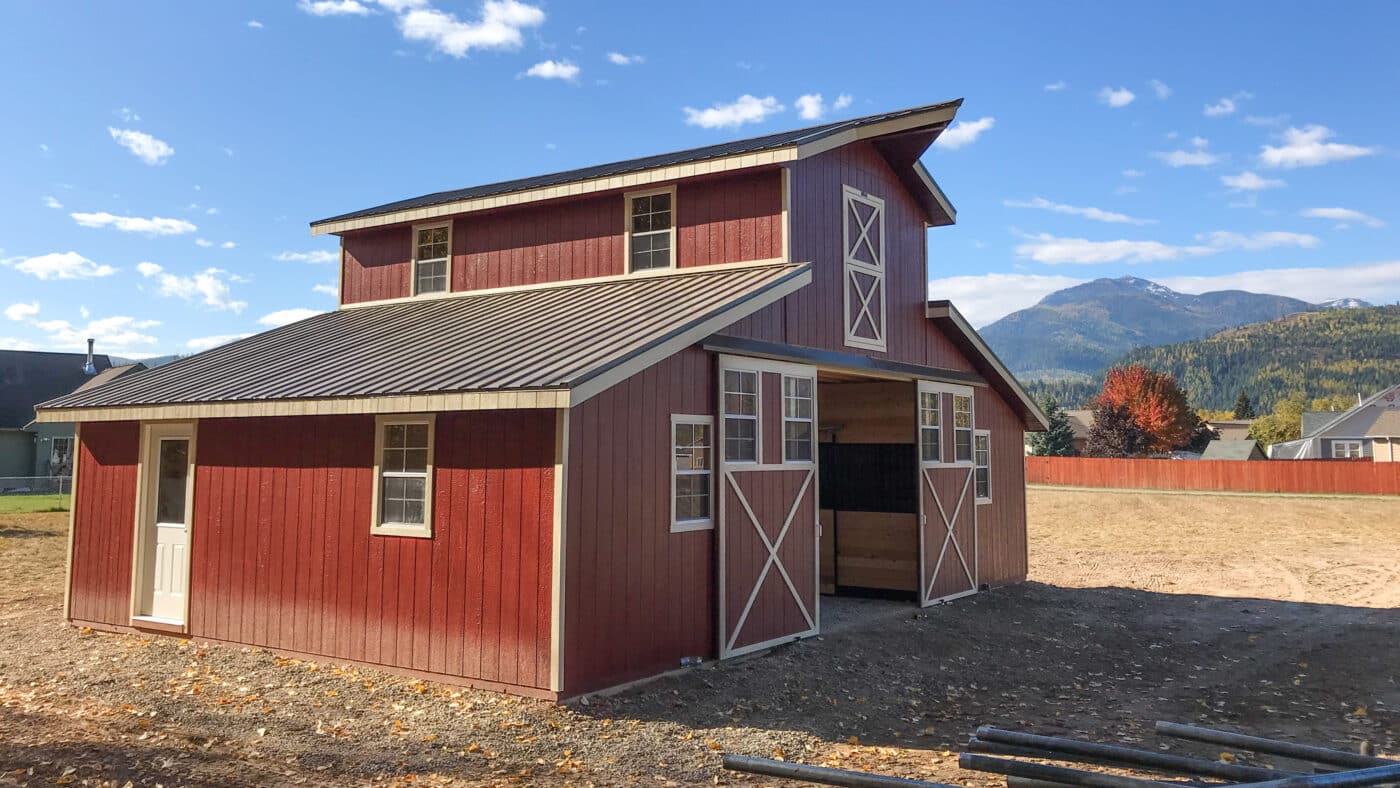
[53,442]
[1371,430]
[26,379]
[1082,422]
[1230,449]
[1230,429]
[575,430]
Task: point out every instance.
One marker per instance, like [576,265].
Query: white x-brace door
[947,499]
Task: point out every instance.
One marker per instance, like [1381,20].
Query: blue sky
[163,161]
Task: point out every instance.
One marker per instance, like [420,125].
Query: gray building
[1371,430]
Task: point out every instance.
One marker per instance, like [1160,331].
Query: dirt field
[1271,615]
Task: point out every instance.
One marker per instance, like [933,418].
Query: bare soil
[1271,615]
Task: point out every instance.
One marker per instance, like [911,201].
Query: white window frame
[937,427]
[627,199]
[725,415]
[976,466]
[812,422]
[377,527]
[1348,446]
[947,458]
[414,261]
[53,448]
[970,429]
[851,266]
[707,524]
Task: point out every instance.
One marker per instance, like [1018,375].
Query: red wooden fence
[1282,476]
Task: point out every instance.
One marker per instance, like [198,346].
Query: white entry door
[162,568]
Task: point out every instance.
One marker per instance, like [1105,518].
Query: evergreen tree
[1244,409]
[1058,440]
[1116,433]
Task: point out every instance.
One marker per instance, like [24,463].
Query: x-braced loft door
[947,494]
[768,531]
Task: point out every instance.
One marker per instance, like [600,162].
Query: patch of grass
[23,504]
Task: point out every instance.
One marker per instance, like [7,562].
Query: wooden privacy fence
[1280,476]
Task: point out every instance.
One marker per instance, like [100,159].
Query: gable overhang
[1347,414]
[835,361]
[966,338]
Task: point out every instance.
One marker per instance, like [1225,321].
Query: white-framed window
[962,428]
[432,258]
[651,229]
[61,456]
[799,399]
[692,473]
[1346,450]
[863,286]
[930,426]
[740,408]
[982,463]
[403,475]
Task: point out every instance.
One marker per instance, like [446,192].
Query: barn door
[947,494]
[162,560]
[863,241]
[768,531]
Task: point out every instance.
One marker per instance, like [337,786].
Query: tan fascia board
[936,192]
[933,117]
[950,313]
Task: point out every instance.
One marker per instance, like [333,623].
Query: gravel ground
[1091,647]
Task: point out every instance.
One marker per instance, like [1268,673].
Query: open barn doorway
[869,496]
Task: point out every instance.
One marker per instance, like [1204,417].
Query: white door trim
[147,476]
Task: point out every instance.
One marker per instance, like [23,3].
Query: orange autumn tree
[1156,402]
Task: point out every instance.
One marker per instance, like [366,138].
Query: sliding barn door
[947,494]
[768,531]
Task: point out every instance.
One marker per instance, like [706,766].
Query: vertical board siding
[729,219]
[284,558]
[1349,477]
[104,522]
[638,597]
[1001,524]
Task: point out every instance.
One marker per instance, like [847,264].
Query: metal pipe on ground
[820,774]
[1116,755]
[1355,778]
[1287,749]
[1054,774]
[997,748]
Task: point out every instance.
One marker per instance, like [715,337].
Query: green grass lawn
[21,504]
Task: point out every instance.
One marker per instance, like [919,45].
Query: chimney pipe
[89,368]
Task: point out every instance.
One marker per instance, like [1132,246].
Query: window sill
[417,532]
[981,501]
[686,526]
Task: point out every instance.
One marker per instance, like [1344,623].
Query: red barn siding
[375,265]
[771,495]
[638,597]
[1001,524]
[283,556]
[730,219]
[104,523]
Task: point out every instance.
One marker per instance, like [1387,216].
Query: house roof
[110,374]
[966,338]
[548,346]
[1232,450]
[1390,396]
[815,138]
[1385,425]
[27,378]
[1081,421]
[1315,420]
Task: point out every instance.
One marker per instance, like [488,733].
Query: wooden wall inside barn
[724,219]
[104,517]
[1001,524]
[638,597]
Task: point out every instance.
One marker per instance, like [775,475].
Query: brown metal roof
[551,337]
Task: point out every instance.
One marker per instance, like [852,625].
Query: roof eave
[944,311]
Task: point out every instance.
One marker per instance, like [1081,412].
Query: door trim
[152,433]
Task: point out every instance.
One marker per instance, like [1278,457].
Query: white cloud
[209,287]
[111,333]
[142,145]
[15,343]
[61,265]
[22,311]
[1345,216]
[619,59]
[284,316]
[1055,87]
[156,225]
[1307,147]
[1253,242]
[1120,97]
[330,290]
[148,269]
[128,114]
[203,243]
[227,245]
[1248,181]
[553,69]
[334,8]
[812,106]
[745,109]
[983,299]
[1097,214]
[1200,142]
[1052,250]
[963,133]
[1266,120]
[1133,173]
[255,24]
[1375,282]
[205,343]
[500,25]
[1160,88]
[83,311]
[317,256]
[52,202]
[1187,158]
[1225,106]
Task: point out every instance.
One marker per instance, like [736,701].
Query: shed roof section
[1232,450]
[554,337]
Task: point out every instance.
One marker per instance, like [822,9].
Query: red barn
[567,431]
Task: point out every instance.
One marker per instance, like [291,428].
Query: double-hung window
[61,456]
[651,230]
[404,476]
[432,259]
[692,470]
[1346,450]
[982,460]
[930,426]
[798,399]
[962,428]
[740,415]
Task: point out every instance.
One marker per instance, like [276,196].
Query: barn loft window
[982,459]
[403,476]
[432,254]
[797,419]
[930,427]
[651,230]
[1346,450]
[692,467]
[962,428]
[863,239]
[740,415]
